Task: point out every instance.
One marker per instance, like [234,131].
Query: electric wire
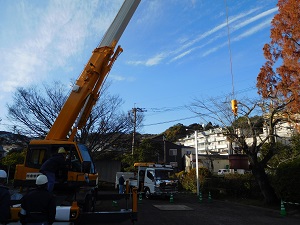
[170,109]
[229,47]
[170,121]
[178,108]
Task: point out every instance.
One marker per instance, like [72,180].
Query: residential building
[212,141]
[214,151]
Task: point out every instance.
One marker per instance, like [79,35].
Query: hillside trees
[179,130]
[175,132]
[279,77]
[34,111]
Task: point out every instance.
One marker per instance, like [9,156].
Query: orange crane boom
[85,92]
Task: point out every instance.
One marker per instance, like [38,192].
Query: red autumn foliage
[279,77]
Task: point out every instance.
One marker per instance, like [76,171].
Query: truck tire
[147,193]
[89,203]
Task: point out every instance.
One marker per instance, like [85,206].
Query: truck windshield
[164,174]
[86,156]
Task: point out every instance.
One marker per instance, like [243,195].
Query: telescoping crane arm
[85,92]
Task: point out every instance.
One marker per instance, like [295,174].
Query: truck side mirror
[86,166]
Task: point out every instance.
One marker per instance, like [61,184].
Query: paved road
[186,210]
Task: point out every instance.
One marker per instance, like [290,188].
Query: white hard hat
[3,174]
[41,179]
[62,150]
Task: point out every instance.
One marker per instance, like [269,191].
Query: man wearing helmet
[38,206]
[4,199]
[52,165]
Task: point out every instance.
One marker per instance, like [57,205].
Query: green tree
[287,181]
[12,159]
[147,151]
[285,152]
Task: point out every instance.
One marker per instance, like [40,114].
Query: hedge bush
[287,181]
[187,180]
[230,185]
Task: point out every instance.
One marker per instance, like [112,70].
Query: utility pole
[134,129]
[134,110]
[165,152]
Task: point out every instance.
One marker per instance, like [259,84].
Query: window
[36,157]
[74,161]
[150,174]
[164,174]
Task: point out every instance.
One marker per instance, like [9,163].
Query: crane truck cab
[156,179]
[76,182]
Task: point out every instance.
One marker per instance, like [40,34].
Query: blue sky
[175,51]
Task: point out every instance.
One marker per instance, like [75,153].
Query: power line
[177,108]
[168,109]
[170,121]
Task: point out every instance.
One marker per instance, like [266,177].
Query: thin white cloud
[161,56]
[214,30]
[155,60]
[117,78]
[253,30]
[255,18]
[186,46]
[245,34]
[237,27]
[150,62]
[152,11]
[182,55]
[58,31]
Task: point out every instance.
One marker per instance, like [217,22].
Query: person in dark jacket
[121,184]
[4,199]
[51,166]
[38,206]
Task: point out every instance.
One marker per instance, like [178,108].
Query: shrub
[188,180]
[233,185]
[286,181]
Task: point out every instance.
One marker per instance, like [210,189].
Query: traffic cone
[140,198]
[282,209]
[209,197]
[171,198]
[200,196]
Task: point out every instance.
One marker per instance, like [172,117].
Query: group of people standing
[38,206]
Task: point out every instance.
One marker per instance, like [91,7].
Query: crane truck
[78,187]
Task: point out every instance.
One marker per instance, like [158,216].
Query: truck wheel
[89,203]
[147,193]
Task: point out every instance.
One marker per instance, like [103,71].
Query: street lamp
[196,154]
[197,166]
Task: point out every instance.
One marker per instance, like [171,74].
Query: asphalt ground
[186,209]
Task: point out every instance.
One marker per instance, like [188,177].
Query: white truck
[155,180]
